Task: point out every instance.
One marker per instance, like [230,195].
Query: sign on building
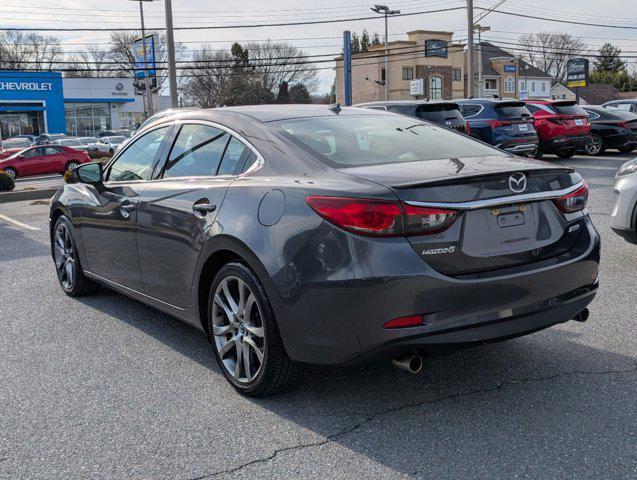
[144,67]
[577,72]
[436,48]
[509,68]
[417,87]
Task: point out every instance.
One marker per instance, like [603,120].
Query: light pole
[170,46]
[384,10]
[477,28]
[470,80]
[148,104]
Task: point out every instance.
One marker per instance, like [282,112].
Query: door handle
[126,209]
[204,208]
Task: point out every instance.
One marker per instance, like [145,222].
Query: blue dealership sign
[509,68]
[148,66]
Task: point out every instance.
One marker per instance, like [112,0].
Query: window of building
[408,73]
[136,162]
[509,85]
[563,96]
[490,84]
[533,86]
[543,86]
[87,119]
[197,152]
[382,74]
[523,85]
[456,74]
[435,88]
[130,120]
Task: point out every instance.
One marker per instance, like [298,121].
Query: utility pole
[384,10]
[149,100]
[170,46]
[480,29]
[347,68]
[470,79]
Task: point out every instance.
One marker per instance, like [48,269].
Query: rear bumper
[519,146]
[332,305]
[564,143]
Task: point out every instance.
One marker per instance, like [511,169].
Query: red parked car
[43,159]
[562,126]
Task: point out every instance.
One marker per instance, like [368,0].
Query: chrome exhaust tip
[411,362]
[582,316]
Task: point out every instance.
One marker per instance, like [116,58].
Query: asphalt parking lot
[104,387]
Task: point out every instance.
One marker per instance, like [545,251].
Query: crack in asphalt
[369,418]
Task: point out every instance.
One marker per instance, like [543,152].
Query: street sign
[524,94]
[577,72]
[138,54]
[417,87]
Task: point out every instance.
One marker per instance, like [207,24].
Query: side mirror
[89,173]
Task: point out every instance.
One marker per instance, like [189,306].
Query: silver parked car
[624,216]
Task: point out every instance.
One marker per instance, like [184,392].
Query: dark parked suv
[443,113]
[505,124]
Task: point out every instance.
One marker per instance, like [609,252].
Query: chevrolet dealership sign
[26,86]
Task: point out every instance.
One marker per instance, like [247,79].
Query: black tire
[79,285]
[566,154]
[595,146]
[277,372]
[539,153]
[11,172]
[626,149]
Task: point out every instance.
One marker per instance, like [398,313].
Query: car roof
[406,102]
[626,100]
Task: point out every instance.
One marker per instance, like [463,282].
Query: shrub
[68,177]
[6,182]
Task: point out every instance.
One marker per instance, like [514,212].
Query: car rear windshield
[512,110]
[568,109]
[438,113]
[353,141]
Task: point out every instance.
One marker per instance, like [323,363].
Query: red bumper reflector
[402,322]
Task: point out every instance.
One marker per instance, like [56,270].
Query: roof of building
[598,93]
[490,52]
[431,32]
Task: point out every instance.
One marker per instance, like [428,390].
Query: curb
[44,193]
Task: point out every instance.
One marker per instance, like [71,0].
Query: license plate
[579,122]
[510,219]
[523,127]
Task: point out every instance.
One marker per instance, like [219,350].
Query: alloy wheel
[237,328]
[71,166]
[10,172]
[593,145]
[64,256]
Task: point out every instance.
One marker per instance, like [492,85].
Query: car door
[54,159]
[177,211]
[33,162]
[109,214]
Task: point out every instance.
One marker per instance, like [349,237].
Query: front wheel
[67,262]
[245,336]
[11,172]
[71,165]
[594,145]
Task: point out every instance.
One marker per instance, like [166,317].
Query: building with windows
[33,103]
[428,55]
[506,75]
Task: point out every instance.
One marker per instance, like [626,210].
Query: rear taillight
[381,218]
[468,128]
[500,123]
[402,322]
[573,202]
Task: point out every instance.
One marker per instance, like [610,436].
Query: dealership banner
[577,73]
[138,54]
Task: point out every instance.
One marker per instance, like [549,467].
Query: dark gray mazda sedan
[315,234]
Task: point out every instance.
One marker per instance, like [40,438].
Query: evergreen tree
[364,41]
[355,43]
[608,59]
[299,94]
[375,39]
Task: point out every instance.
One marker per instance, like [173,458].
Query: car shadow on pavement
[487,408]
[19,244]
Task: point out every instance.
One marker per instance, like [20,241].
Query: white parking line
[18,223]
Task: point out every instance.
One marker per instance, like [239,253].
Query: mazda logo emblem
[517,182]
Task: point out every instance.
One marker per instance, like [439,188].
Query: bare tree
[206,81]
[550,51]
[92,63]
[278,62]
[23,51]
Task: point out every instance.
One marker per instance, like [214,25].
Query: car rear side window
[352,141]
[197,152]
[512,110]
[136,162]
[235,158]
[568,109]
[438,113]
[470,110]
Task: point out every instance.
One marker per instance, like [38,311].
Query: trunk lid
[496,227]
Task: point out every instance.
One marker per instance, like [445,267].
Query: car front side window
[136,162]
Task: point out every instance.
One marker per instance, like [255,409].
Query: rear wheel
[11,172]
[626,149]
[566,154]
[594,145]
[245,336]
[67,262]
[71,165]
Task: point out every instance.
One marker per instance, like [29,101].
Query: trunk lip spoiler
[492,202]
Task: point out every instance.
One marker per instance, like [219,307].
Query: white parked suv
[624,216]
[109,144]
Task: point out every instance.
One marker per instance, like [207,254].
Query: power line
[556,20]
